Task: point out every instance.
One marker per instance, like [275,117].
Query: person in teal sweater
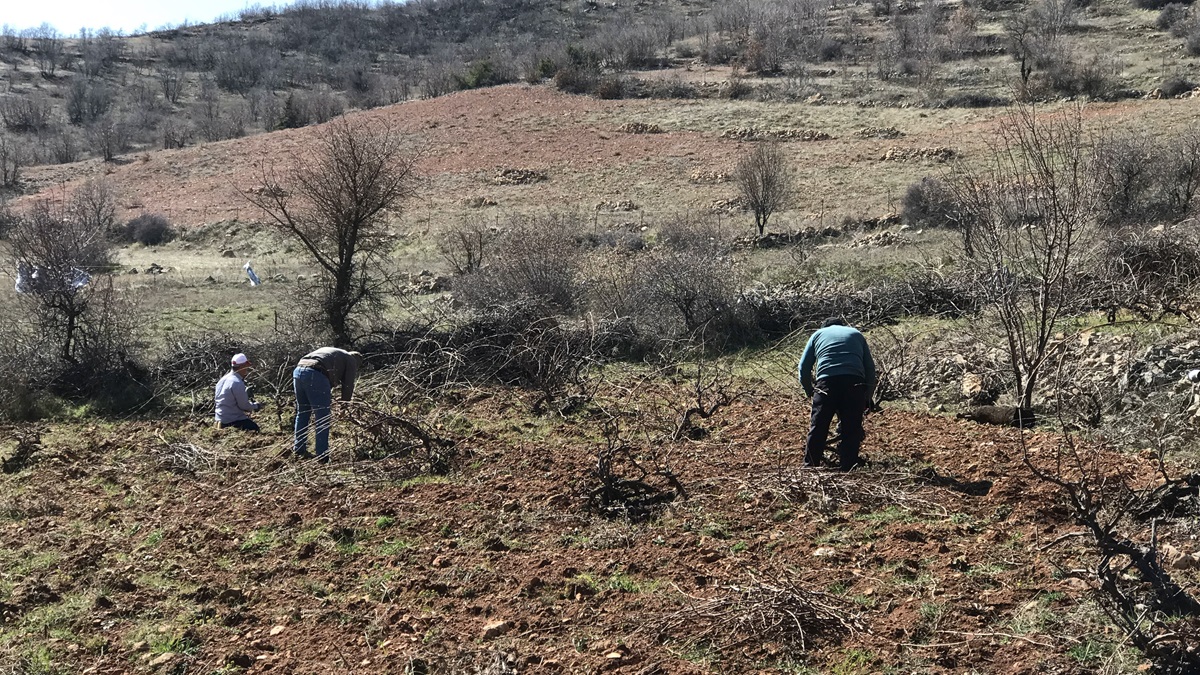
[838,373]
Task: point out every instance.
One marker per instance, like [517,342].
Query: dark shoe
[324,459]
[861,463]
[304,455]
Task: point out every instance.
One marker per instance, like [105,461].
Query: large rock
[495,629]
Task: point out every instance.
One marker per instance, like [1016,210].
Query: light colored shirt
[232,401]
[836,350]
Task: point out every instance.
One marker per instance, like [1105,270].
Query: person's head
[240,364]
[834,321]
[358,358]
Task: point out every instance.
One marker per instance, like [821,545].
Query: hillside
[579,142]
[164,547]
[105,95]
[576,444]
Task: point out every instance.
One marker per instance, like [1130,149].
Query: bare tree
[13,156]
[171,79]
[336,204]
[56,255]
[765,179]
[94,205]
[1033,213]
[48,49]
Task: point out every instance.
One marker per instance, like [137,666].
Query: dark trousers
[244,425]
[845,397]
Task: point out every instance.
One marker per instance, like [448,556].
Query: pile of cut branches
[757,615]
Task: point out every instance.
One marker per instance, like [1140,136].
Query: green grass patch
[855,662]
[259,542]
[887,516]
[310,535]
[153,539]
[394,547]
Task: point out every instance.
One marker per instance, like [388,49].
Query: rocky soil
[166,546]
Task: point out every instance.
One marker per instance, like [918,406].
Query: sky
[68,16]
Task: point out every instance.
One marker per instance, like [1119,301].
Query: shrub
[88,100]
[610,88]
[929,203]
[1171,17]
[544,67]
[536,261]
[1176,85]
[1144,179]
[480,74]
[150,229]
[1192,38]
[1152,4]
[975,100]
[25,113]
[574,79]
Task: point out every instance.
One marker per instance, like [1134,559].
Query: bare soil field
[577,142]
[165,546]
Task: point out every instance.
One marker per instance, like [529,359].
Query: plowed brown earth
[111,560]
[468,135]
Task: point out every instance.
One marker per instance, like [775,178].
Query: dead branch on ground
[758,613]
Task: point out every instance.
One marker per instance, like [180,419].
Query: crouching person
[314,379]
[232,400]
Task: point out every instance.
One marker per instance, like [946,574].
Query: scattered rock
[228,253]
[972,385]
[478,202]
[132,270]
[880,240]
[824,552]
[731,204]
[495,629]
[753,134]
[879,132]
[518,176]
[140,646]
[276,630]
[640,128]
[162,659]
[816,99]
[1178,560]
[622,205]
[938,154]
[705,177]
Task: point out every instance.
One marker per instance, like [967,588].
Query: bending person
[314,379]
[842,385]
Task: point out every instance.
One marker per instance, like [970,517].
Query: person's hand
[257,406]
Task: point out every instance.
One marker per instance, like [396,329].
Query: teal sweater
[836,350]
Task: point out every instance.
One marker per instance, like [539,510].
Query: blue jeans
[314,396]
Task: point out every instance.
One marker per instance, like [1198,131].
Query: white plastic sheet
[33,279]
[254,280]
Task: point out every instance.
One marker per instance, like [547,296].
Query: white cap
[1193,375]
[239,360]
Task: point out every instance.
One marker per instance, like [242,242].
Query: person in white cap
[233,403]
